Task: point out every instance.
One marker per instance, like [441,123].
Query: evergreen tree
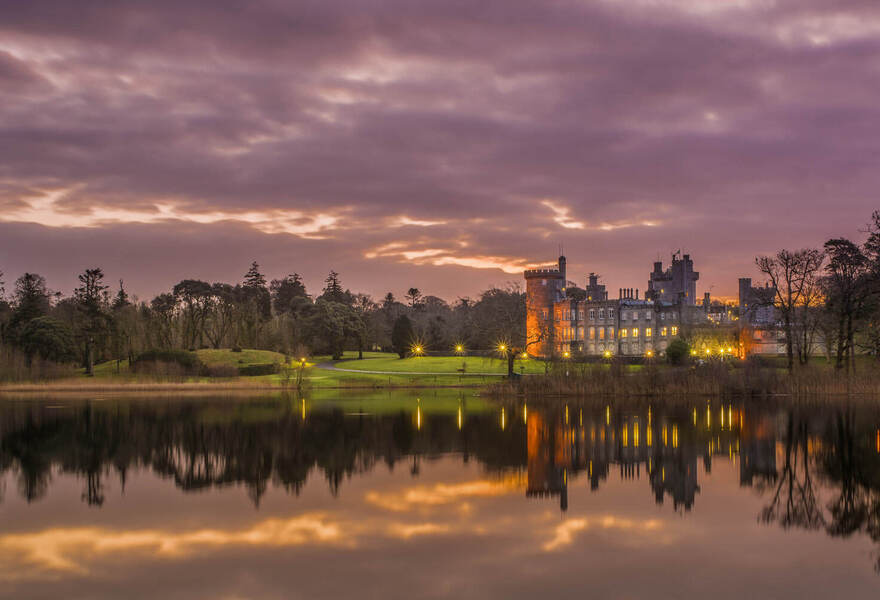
[121,299]
[257,299]
[91,300]
[287,292]
[30,301]
[402,335]
[333,291]
[254,278]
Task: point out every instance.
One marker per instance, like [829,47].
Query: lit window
[663,331]
[635,332]
[647,332]
[611,333]
[674,330]
[624,333]
[592,333]
[601,333]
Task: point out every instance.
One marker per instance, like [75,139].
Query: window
[674,330]
[601,313]
[647,332]
[544,313]
[635,316]
[592,333]
[611,333]
[663,331]
[623,315]
[601,333]
[592,314]
[663,316]
[635,332]
[610,313]
[624,332]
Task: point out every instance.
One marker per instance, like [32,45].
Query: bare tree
[795,277]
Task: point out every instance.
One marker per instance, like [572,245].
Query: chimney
[562,269]
[637,294]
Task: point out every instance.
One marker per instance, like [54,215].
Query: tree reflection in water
[817,467]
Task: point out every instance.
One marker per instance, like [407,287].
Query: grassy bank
[423,372]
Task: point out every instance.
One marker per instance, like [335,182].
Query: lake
[437,495]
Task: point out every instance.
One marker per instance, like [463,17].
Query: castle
[560,321]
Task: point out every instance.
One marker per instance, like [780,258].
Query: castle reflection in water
[285,441]
[665,451]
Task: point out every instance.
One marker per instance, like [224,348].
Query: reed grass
[752,380]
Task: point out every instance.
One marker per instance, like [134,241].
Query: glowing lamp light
[650,353]
[502,348]
[525,355]
[459,348]
[566,354]
[693,352]
[708,351]
[418,350]
[607,354]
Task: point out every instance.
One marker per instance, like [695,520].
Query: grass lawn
[225,356]
[440,364]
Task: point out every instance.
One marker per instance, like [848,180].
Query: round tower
[544,287]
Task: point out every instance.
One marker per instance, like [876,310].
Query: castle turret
[544,287]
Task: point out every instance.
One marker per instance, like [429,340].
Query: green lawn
[238,359]
[440,364]
[442,370]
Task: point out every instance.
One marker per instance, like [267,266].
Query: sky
[442,145]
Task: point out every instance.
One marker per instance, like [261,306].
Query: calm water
[402,497]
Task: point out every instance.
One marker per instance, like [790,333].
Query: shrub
[221,371]
[187,363]
[259,369]
[236,349]
[677,352]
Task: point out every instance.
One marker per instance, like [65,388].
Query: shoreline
[34,388]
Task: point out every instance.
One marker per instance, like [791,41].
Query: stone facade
[675,285]
[545,288]
[598,326]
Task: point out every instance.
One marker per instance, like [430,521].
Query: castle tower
[544,287]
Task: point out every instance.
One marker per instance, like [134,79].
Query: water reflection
[815,468]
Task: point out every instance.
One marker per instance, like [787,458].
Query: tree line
[828,299]
[96,323]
